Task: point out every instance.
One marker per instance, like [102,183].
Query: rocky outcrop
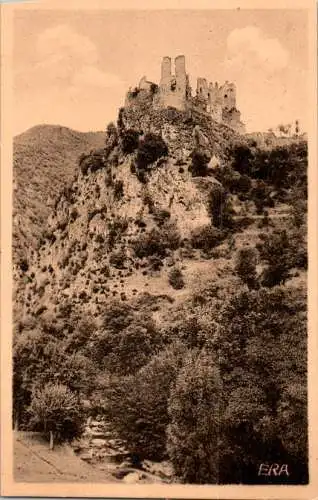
[100,447]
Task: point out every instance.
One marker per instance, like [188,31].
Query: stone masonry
[217,102]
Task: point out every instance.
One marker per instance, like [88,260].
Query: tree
[275,250]
[245,266]
[111,138]
[262,356]
[137,406]
[196,410]
[56,410]
[297,128]
[39,359]
[176,278]
[206,237]
[219,207]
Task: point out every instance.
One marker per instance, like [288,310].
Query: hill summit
[211,100]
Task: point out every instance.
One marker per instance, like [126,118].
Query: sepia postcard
[159,249]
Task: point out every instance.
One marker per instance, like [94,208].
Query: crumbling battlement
[218,102]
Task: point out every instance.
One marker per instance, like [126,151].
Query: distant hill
[45,158]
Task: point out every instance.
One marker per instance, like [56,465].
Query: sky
[74,67]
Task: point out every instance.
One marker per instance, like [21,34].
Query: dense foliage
[151,148]
[56,410]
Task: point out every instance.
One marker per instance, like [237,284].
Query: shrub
[155,263]
[260,196]
[161,216]
[116,228]
[199,165]
[206,237]
[150,243]
[129,141]
[170,235]
[137,406]
[94,161]
[219,207]
[118,190]
[117,259]
[56,410]
[277,253]
[176,279]
[245,266]
[24,266]
[150,149]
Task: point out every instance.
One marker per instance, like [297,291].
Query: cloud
[269,82]
[60,41]
[91,75]
[67,58]
[250,46]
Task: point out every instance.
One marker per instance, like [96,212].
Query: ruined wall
[218,102]
[228,93]
[173,88]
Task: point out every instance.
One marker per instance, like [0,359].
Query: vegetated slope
[150,259]
[44,161]
[96,224]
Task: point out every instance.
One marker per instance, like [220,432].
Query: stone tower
[173,88]
[228,92]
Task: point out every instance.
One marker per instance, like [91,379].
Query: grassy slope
[45,157]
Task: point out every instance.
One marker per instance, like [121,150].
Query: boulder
[131,478]
[98,442]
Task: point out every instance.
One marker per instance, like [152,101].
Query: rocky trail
[100,447]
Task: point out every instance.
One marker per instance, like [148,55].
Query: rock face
[87,254]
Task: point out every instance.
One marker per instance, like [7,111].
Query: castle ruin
[217,102]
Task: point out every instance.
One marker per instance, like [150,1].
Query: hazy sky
[73,67]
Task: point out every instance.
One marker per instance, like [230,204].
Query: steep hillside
[170,277]
[95,245]
[44,160]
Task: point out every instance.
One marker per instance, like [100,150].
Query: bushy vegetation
[138,405]
[151,148]
[282,251]
[245,266]
[281,166]
[56,412]
[206,237]
[129,140]
[92,162]
[220,208]
[157,242]
[199,165]
[176,278]
[194,432]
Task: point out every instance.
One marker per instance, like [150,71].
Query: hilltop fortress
[217,102]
